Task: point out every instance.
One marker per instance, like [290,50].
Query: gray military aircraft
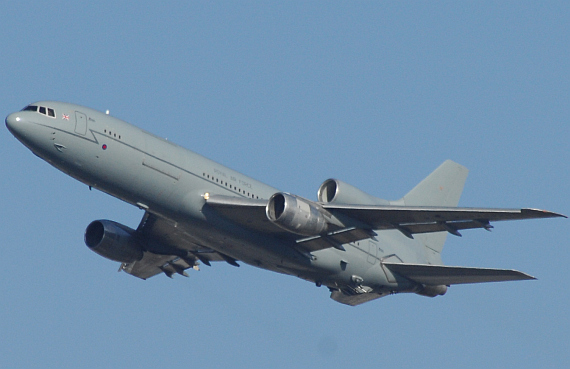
[361,247]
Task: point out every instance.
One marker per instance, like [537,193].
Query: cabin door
[80,123]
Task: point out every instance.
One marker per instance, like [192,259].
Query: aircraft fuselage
[360,246]
[163,178]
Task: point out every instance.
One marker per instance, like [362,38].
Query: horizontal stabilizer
[434,275]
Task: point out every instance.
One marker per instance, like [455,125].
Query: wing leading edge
[417,219]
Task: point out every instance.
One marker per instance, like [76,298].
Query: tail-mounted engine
[113,241]
[297,215]
[334,191]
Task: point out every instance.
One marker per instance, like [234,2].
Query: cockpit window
[41,109]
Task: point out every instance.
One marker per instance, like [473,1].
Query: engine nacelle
[295,214]
[334,191]
[113,241]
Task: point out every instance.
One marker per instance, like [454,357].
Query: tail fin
[442,187]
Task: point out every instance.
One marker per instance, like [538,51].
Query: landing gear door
[80,123]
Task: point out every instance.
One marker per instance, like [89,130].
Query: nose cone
[12,122]
[23,129]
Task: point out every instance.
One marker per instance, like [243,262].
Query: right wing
[172,242]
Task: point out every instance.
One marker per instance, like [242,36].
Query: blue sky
[377,94]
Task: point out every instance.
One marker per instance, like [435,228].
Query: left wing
[250,213]
[426,219]
[361,220]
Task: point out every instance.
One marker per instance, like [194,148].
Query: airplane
[198,211]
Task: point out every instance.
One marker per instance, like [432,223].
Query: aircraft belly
[361,263]
[262,252]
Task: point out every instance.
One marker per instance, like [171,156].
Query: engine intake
[113,241]
[334,191]
[297,215]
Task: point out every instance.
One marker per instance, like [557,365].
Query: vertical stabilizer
[442,187]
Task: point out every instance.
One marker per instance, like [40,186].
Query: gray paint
[180,227]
